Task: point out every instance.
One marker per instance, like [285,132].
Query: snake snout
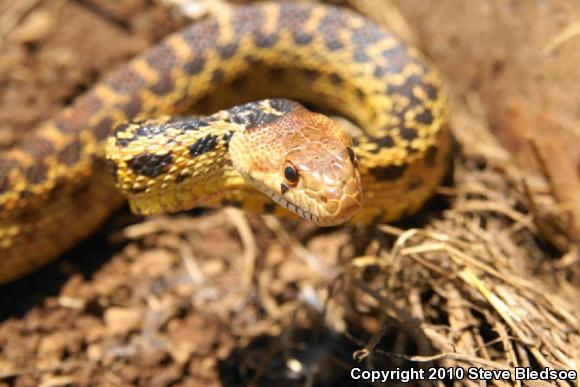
[342,196]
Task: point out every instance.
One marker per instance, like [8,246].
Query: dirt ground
[486,275]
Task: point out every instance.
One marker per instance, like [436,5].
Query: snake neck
[174,163]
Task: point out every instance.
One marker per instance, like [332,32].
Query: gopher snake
[54,185]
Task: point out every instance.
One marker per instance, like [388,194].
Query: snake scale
[56,188]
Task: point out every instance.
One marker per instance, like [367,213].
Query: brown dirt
[486,275]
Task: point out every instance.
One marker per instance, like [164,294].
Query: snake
[232,111]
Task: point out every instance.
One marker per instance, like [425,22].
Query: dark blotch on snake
[150,165]
[264,41]
[334,44]
[195,66]
[71,153]
[311,74]
[163,86]
[228,50]
[360,56]
[227,137]
[408,134]
[431,155]
[431,91]
[35,174]
[385,141]
[379,72]
[336,79]
[388,173]
[239,82]
[301,38]
[103,128]
[203,145]
[132,107]
[186,125]
[425,117]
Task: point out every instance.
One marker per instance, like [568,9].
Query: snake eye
[352,156]
[291,175]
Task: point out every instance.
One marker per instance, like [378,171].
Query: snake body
[55,188]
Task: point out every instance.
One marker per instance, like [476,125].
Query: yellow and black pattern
[299,159]
[149,159]
[55,179]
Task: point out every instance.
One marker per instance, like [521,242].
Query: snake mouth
[304,214]
[284,202]
[307,215]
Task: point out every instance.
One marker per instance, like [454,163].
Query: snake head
[306,164]
[322,181]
